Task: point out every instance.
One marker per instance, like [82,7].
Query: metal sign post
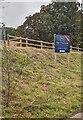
[3,32]
[68,61]
[55,58]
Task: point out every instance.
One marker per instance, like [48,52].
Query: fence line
[25,42]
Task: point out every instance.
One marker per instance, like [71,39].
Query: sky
[13,12]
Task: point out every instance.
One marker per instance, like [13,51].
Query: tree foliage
[10,30]
[59,18]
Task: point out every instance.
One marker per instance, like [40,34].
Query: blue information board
[62,43]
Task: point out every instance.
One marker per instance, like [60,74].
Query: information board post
[68,61]
[55,58]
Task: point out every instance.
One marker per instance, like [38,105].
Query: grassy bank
[38,87]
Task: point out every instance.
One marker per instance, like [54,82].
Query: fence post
[52,45]
[8,40]
[26,42]
[20,41]
[71,48]
[41,44]
[78,49]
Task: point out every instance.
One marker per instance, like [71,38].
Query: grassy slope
[39,88]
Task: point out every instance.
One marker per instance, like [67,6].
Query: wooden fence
[25,42]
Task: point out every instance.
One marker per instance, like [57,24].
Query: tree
[59,18]
[10,30]
[7,68]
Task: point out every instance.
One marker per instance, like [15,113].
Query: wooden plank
[15,39]
[39,41]
[47,43]
[23,38]
[34,45]
[23,42]
[75,47]
[11,35]
[80,49]
[8,41]
[17,42]
[34,40]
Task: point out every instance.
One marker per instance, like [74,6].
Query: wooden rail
[25,42]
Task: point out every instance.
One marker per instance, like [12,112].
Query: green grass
[39,88]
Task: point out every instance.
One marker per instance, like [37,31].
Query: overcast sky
[13,12]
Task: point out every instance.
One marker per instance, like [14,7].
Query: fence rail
[25,42]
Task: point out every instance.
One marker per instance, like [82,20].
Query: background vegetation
[55,18]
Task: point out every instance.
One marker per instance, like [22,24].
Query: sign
[62,43]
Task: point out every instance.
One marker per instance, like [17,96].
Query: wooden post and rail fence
[25,42]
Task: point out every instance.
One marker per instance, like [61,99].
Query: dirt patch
[74,113]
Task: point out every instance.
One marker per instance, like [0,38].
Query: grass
[39,88]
